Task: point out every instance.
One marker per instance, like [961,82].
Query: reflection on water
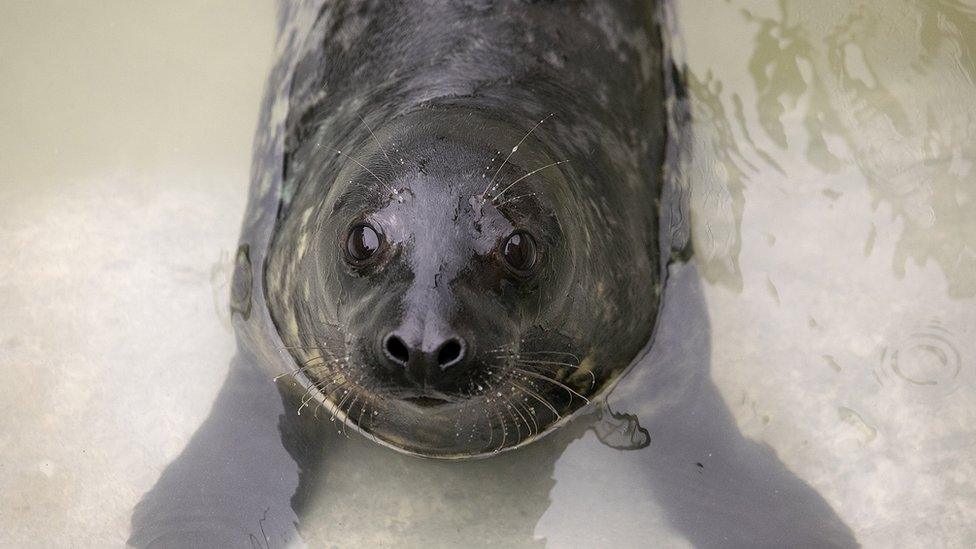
[885,87]
[811,380]
[888,87]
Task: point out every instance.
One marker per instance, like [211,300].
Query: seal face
[452,272]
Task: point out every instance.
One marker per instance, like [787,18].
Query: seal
[435,289]
[461,247]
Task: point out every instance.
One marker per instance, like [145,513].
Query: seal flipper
[232,486]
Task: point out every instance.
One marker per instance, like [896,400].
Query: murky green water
[829,315]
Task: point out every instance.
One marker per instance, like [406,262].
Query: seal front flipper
[232,486]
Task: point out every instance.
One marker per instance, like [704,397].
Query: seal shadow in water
[256,474]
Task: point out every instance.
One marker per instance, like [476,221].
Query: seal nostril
[397,350]
[450,353]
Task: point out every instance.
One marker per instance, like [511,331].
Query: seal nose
[445,358]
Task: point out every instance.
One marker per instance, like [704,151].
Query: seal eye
[363,242]
[519,251]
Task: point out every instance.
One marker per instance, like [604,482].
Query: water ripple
[924,358]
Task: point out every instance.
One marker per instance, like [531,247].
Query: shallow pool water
[813,377]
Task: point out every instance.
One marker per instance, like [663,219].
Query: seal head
[452,271]
[443,296]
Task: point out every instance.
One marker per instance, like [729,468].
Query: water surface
[813,376]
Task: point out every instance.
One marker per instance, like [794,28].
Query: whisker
[279,376]
[513,199]
[347,419]
[309,394]
[553,381]
[332,392]
[359,422]
[501,349]
[504,432]
[523,352]
[306,366]
[303,348]
[363,166]
[514,406]
[309,364]
[518,356]
[338,409]
[311,360]
[491,428]
[535,395]
[372,418]
[537,170]
[515,148]
[552,363]
[531,414]
[363,120]
[518,429]
[336,377]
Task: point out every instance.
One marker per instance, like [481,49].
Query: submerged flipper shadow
[232,485]
[717,488]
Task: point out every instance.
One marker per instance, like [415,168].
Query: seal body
[458,247]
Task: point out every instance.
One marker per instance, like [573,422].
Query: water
[814,372]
